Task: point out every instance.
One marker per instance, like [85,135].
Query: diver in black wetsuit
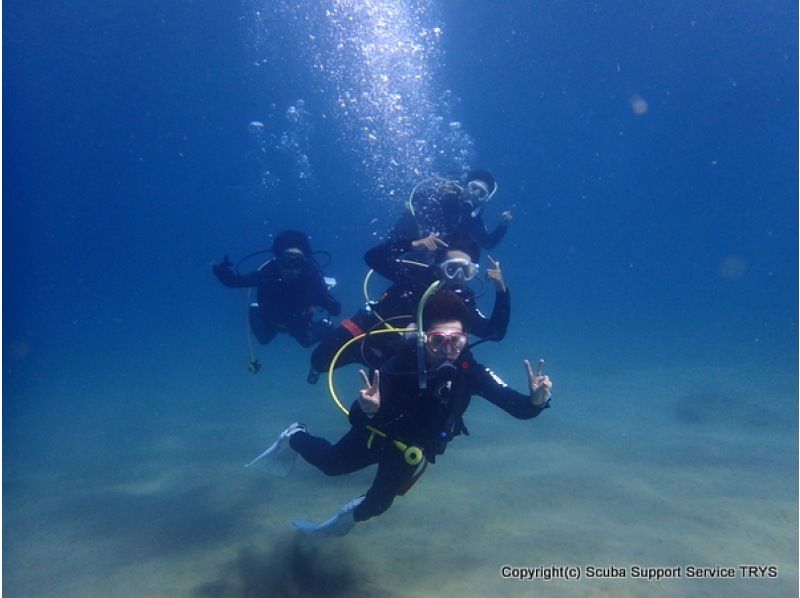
[289,290]
[452,207]
[455,264]
[399,426]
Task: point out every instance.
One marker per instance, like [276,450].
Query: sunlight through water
[375,64]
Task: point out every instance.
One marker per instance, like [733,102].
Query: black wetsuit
[285,303]
[401,299]
[427,419]
[447,216]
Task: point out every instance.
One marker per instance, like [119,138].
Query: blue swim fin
[339,525]
[279,456]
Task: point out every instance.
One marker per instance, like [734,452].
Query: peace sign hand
[369,398]
[540,385]
[496,275]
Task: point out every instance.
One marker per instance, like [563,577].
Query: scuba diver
[452,207]
[455,264]
[401,426]
[290,288]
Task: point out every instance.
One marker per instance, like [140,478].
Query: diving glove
[224,270]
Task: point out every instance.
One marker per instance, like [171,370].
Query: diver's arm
[390,384]
[488,385]
[328,303]
[226,275]
[501,314]
[484,238]
[332,305]
[492,239]
[385,258]
[405,228]
[368,402]
[357,416]
[495,326]
[323,296]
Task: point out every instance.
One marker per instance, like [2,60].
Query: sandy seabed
[666,469]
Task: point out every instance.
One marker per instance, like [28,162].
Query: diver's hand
[369,398]
[225,267]
[496,275]
[430,243]
[506,217]
[540,385]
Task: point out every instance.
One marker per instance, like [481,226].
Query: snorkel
[479,195]
[421,362]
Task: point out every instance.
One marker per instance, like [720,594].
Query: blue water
[648,154]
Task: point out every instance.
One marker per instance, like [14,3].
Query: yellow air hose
[420,342]
[342,349]
[412,454]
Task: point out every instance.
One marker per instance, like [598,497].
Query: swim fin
[280,453]
[339,525]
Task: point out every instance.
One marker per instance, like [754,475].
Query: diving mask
[458,269]
[446,341]
[479,191]
[292,260]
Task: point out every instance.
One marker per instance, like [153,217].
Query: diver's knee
[334,468]
[305,341]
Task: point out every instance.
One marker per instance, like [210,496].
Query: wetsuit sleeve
[331,305]
[405,228]
[495,326]
[487,384]
[486,239]
[393,388]
[356,416]
[385,258]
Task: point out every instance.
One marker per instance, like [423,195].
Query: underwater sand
[158,503]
